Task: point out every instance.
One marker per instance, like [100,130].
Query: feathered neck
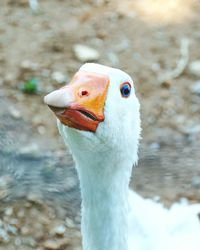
[104,208]
[104,180]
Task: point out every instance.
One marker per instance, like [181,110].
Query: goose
[98,116]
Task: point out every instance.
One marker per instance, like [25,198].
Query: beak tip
[57,98]
[45,99]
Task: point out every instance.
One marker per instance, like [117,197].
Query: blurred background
[42,44]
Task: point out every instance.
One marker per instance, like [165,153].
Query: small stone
[123,45]
[59,153]
[14,222]
[30,242]
[29,150]
[41,130]
[166,84]
[155,146]
[85,54]
[3,236]
[59,77]
[4,186]
[28,65]
[180,119]
[11,229]
[21,213]
[9,78]
[51,245]
[33,5]
[37,120]
[70,183]
[59,230]
[69,223]
[9,211]
[57,47]
[191,129]
[18,242]
[34,198]
[195,88]
[55,244]
[15,113]
[102,34]
[194,68]
[155,67]
[25,230]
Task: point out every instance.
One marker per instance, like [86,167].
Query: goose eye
[125,89]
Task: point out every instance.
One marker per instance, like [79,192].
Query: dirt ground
[39,191]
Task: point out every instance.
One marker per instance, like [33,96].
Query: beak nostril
[83,93]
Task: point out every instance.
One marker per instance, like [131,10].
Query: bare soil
[39,188]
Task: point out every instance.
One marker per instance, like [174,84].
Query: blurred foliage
[30,86]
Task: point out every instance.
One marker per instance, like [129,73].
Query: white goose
[99,119]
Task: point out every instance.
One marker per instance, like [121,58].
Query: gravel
[85,54]
[194,68]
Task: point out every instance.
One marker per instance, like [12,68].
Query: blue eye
[125,89]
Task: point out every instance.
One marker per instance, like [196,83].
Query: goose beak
[80,104]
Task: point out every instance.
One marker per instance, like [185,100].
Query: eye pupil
[125,89]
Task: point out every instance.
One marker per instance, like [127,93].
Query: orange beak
[80,104]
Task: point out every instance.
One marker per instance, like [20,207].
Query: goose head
[98,110]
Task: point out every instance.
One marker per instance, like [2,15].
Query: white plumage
[113,217]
